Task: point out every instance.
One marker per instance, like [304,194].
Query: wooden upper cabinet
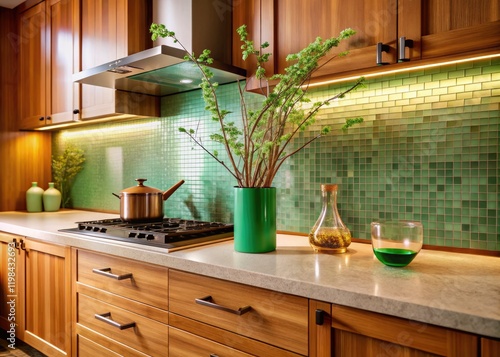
[32,67]
[373,21]
[434,30]
[110,30]
[452,27]
[258,16]
[46,64]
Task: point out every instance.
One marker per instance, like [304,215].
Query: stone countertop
[459,291]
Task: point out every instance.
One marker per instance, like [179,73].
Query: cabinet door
[110,30]
[454,27]
[490,347]
[60,52]
[362,333]
[258,16]
[9,301]
[46,321]
[299,23]
[32,67]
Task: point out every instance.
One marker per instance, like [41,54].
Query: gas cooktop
[171,233]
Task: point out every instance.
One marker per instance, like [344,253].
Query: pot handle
[114,194]
[172,189]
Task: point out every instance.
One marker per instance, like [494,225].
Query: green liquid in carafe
[395,257]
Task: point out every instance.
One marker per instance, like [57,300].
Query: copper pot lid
[141,189]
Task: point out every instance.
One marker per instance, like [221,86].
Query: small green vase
[34,198]
[254,219]
[51,199]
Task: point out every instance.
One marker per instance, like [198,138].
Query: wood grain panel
[88,348]
[47,282]
[320,341]
[481,37]
[149,283]
[186,344]
[147,310]
[92,344]
[9,259]
[274,318]
[25,156]
[111,30]
[490,347]
[359,332]
[148,336]
[44,296]
[33,63]
[299,24]
[227,338]
[446,15]
[60,51]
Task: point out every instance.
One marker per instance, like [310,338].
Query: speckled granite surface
[459,291]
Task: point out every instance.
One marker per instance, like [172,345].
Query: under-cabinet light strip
[399,70]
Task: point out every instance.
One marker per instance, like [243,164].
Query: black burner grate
[169,233]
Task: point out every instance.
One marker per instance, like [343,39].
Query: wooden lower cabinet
[249,319]
[8,281]
[42,293]
[121,306]
[362,333]
[46,278]
[490,347]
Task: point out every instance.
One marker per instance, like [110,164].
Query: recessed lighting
[186,81]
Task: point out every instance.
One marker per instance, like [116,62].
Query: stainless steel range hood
[158,71]
[162,70]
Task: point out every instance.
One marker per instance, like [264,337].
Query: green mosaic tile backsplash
[428,150]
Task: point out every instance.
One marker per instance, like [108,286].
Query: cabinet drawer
[182,343]
[148,283]
[148,336]
[274,318]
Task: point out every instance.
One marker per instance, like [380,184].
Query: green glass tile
[439,164]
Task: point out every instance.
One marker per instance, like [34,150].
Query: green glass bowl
[396,243]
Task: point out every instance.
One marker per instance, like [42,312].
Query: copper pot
[142,203]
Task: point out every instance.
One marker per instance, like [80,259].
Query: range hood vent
[162,70]
[158,71]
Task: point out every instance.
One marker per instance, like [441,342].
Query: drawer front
[93,344]
[274,318]
[147,283]
[89,348]
[182,344]
[147,336]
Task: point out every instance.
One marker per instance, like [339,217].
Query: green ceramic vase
[254,219]
[51,199]
[34,198]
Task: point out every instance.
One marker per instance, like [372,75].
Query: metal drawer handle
[208,301]
[106,272]
[104,318]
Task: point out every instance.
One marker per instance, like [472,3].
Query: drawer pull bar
[207,301]
[105,318]
[106,272]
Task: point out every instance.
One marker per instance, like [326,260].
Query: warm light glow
[78,123]
[399,70]
[124,128]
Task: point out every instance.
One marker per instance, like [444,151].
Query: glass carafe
[329,234]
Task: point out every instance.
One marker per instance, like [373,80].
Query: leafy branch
[257,149]
[64,168]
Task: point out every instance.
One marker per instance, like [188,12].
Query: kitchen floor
[21,350]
